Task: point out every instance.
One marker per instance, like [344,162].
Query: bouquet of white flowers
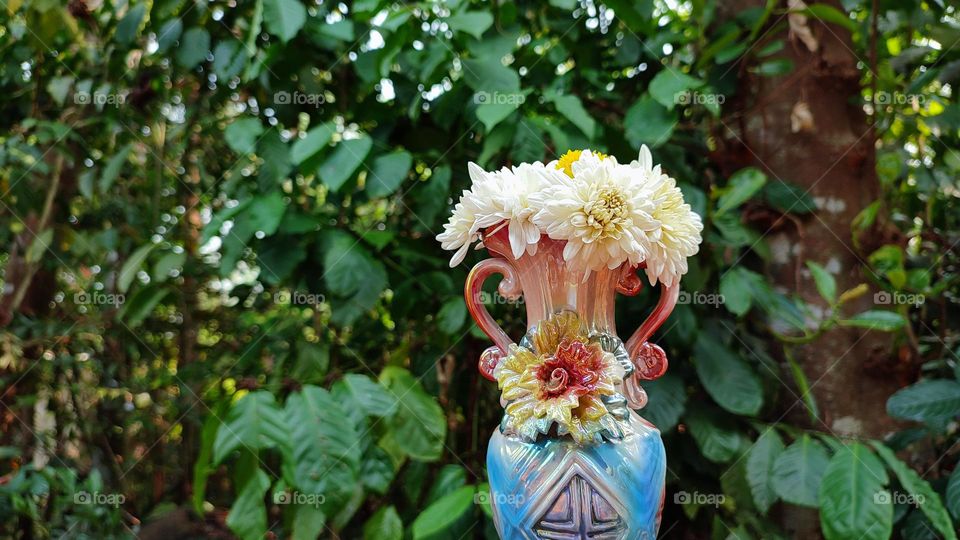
[607,213]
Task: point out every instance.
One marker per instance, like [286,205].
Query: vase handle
[650,359]
[472,292]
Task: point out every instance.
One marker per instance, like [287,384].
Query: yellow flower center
[607,212]
[566,161]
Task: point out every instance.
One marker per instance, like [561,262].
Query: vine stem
[31,267]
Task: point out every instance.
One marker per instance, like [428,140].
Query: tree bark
[808,127]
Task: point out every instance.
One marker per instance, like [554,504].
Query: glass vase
[607,482]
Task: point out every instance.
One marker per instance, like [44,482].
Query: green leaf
[346,262]
[648,122]
[315,141]
[59,87]
[169,35]
[572,109]
[736,286]
[248,514]
[384,524]
[229,58]
[669,85]
[325,446]
[803,387]
[112,169]
[474,23]
[276,163]
[369,396]
[927,499]
[774,68]
[887,258]
[388,172]
[351,273]
[379,239]
[489,75]
[284,18]
[830,14]
[667,400]
[771,48]
[450,478]
[491,114]
[760,461]
[309,522]
[202,467]
[889,166]
[788,197]
[377,470]
[926,401]
[826,285]
[264,214]
[255,422]
[346,159]
[242,135]
[798,471]
[312,361]
[718,440]
[342,30]
[953,494]
[193,49]
[875,319]
[431,196]
[169,262]
[129,25]
[445,518]
[452,315]
[419,428]
[279,257]
[39,246]
[743,184]
[852,501]
[137,309]
[727,378]
[131,266]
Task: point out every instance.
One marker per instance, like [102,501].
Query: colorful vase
[571,458]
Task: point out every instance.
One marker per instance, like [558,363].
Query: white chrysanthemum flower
[517,186]
[477,209]
[604,212]
[494,197]
[680,226]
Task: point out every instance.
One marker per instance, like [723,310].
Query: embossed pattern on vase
[556,489]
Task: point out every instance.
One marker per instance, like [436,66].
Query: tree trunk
[808,127]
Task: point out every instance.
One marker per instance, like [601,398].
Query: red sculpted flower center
[574,368]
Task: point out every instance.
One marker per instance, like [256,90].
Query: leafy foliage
[222,295]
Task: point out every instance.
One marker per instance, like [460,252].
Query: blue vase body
[556,489]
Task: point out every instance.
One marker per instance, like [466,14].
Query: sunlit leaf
[853,503]
[284,18]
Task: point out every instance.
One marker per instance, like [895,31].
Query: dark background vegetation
[224,312]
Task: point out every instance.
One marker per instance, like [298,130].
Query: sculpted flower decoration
[559,381]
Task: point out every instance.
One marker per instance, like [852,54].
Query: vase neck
[549,285]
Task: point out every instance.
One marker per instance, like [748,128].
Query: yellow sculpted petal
[586,419]
[549,333]
[591,408]
[514,365]
[521,410]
